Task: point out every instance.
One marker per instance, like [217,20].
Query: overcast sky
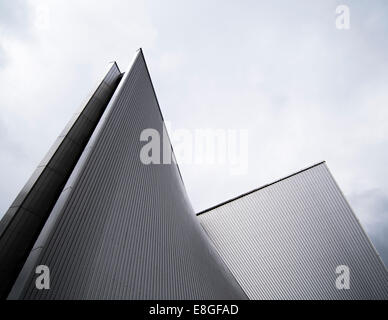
[305,90]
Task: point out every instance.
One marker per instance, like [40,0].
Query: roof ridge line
[259,188]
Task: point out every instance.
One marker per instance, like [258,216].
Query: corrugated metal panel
[122,229]
[22,223]
[285,240]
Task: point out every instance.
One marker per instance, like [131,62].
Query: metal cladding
[122,229]
[109,226]
[23,221]
[285,241]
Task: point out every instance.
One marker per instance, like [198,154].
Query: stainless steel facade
[285,241]
[122,229]
[110,227]
[24,220]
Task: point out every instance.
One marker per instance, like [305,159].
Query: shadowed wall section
[122,229]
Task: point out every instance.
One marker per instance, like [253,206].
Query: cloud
[372,208]
[14,17]
[305,91]
[14,21]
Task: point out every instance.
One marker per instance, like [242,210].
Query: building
[110,227]
[293,234]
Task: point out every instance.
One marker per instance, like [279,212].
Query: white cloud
[305,91]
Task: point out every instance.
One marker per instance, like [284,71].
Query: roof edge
[259,188]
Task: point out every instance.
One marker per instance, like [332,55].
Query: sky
[304,90]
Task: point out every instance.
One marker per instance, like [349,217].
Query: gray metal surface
[285,240]
[122,229]
[21,224]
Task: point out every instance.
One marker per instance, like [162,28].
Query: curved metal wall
[21,224]
[122,229]
[285,241]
